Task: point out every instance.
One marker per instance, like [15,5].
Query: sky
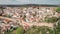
[20,2]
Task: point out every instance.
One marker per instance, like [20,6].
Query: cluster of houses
[29,14]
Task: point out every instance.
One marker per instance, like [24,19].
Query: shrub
[51,19]
[9,31]
[9,16]
[58,10]
[20,30]
[39,30]
[58,27]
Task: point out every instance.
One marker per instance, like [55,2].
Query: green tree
[51,19]
[58,10]
[39,30]
[58,27]
[20,30]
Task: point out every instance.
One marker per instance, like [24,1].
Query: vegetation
[20,30]
[9,16]
[51,19]
[58,10]
[8,31]
[39,30]
[32,30]
[58,27]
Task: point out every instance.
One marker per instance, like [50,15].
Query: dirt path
[28,24]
